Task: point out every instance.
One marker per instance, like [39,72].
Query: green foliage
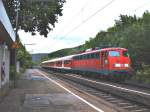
[65,52]
[129,32]
[36,63]
[143,75]
[24,57]
[35,16]
[17,75]
[12,72]
[132,33]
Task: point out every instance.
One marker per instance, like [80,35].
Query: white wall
[4,57]
[18,67]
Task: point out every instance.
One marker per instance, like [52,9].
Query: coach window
[97,55]
[59,62]
[84,56]
[88,56]
[81,57]
[76,58]
[92,55]
[65,62]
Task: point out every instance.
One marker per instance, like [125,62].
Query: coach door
[104,60]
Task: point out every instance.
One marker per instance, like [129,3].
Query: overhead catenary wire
[138,8]
[75,16]
[143,5]
[99,10]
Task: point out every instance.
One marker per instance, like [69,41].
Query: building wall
[7,35]
[4,65]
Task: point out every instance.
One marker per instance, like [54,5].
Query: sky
[81,20]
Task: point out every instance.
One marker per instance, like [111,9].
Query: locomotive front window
[114,53]
[125,54]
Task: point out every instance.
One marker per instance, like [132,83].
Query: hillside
[65,52]
[37,57]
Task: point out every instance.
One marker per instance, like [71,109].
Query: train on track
[110,63]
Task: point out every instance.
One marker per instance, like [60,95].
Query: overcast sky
[75,13]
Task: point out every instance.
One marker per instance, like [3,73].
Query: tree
[35,16]
[23,56]
[125,21]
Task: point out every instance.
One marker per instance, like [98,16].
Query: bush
[12,72]
[143,75]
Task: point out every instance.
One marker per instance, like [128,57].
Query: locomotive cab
[115,61]
[120,63]
[118,60]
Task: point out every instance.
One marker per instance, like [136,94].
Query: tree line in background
[129,32]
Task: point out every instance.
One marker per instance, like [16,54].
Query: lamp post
[17,8]
[30,44]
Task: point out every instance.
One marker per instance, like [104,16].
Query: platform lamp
[15,45]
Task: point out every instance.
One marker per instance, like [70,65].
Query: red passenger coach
[106,62]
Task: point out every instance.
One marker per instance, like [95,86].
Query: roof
[58,59]
[103,49]
[6,22]
[88,52]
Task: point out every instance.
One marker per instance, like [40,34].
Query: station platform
[37,92]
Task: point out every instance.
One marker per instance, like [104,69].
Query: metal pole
[15,56]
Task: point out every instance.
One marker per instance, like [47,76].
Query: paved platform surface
[35,93]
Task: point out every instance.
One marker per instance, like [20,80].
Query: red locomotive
[106,62]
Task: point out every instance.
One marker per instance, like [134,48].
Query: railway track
[126,99]
[137,85]
[123,104]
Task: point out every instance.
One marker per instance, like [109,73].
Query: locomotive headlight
[117,65]
[126,65]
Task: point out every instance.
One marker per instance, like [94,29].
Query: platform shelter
[7,38]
